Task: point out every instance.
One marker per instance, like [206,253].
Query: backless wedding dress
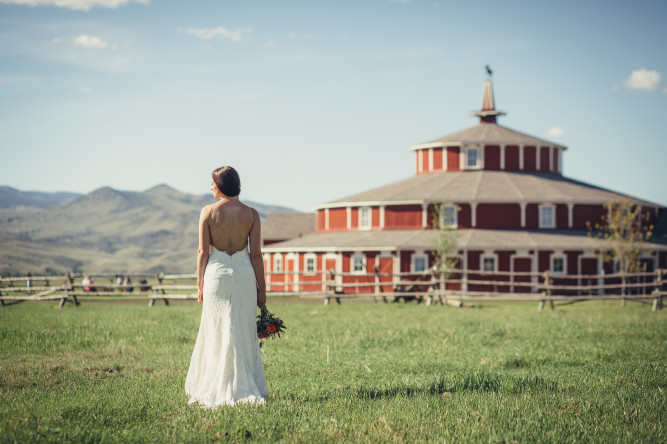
[226,365]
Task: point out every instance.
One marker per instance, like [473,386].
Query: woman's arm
[203,251]
[255,240]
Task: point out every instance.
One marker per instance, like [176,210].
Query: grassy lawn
[360,372]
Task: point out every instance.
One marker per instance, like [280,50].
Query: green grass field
[360,372]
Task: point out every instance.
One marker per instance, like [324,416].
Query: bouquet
[269,326]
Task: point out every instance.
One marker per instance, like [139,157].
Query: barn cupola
[488,112]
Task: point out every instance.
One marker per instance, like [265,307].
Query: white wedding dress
[226,365]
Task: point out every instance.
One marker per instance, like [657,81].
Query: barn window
[472,158]
[558,264]
[358,263]
[547,219]
[364,218]
[419,262]
[310,263]
[277,263]
[489,263]
[448,216]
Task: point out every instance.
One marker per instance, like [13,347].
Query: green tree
[625,232]
[445,241]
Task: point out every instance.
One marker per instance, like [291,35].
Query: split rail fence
[453,287]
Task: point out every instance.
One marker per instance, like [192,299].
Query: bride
[226,365]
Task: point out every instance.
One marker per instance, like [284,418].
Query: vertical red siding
[532,216]
[529,158]
[337,219]
[354,217]
[512,158]
[492,157]
[561,217]
[543,260]
[554,153]
[544,158]
[464,217]
[498,216]
[320,220]
[403,217]
[437,159]
[417,154]
[375,217]
[453,153]
[583,213]
[572,261]
[405,261]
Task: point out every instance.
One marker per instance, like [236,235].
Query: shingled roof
[470,239]
[487,134]
[484,186]
[287,225]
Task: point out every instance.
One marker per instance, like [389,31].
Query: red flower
[270,328]
[262,336]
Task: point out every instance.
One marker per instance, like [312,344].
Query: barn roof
[287,225]
[469,239]
[484,186]
[487,134]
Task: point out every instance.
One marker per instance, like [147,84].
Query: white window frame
[306,258]
[552,267]
[353,263]
[277,263]
[553,215]
[489,256]
[443,218]
[364,227]
[466,157]
[413,262]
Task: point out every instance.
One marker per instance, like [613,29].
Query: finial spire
[488,113]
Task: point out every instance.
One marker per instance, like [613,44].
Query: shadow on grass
[475,381]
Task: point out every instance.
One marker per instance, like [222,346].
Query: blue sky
[315,100]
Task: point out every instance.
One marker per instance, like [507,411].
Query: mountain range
[107,230]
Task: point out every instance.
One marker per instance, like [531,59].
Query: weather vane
[488,70]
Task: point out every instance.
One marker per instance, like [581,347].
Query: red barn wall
[337,219]
[492,157]
[554,153]
[583,213]
[453,154]
[512,158]
[544,158]
[375,217]
[572,258]
[403,217]
[532,216]
[405,261]
[354,217]
[529,158]
[320,220]
[437,159]
[561,216]
[464,216]
[544,260]
[498,216]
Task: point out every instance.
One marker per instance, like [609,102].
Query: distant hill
[107,230]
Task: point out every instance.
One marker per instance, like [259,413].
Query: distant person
[127,282]
[87,284]
[28,280]
[119,280]
[226,364]
[144,285]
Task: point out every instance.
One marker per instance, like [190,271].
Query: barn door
[521,265]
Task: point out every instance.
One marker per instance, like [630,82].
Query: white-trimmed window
[489,263]
[310,263]
[365,218]
[418,262]
[449,216]
[558,264]
[472,158]
[358,263]
[277,263]
[547,216]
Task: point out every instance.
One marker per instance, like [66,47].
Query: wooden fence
[454,287]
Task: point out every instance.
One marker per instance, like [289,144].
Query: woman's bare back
[230,223]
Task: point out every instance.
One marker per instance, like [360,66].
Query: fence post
[623,290]
[547,286]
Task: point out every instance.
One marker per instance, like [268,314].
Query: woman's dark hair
[227,180]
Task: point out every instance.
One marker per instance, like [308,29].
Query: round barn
[502,190]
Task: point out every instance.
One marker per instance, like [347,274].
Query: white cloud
[235,35]
[555,131]
[643,79]
[89,41]
[85,90]
[77,5]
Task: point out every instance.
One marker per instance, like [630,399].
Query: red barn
[503,191]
